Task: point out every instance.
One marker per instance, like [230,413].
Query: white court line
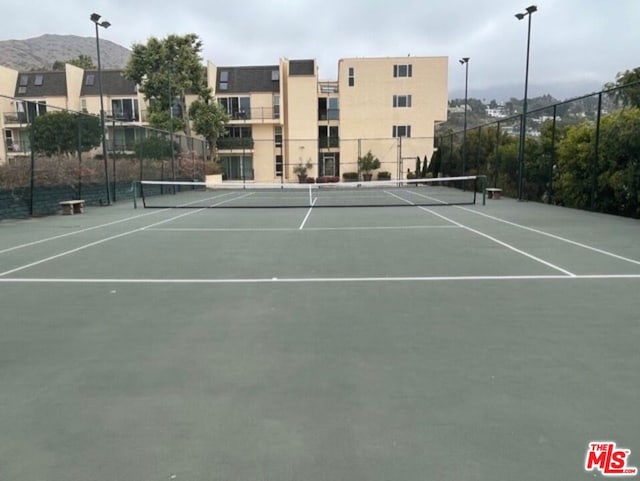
[61,236]
[106,239]
[553,236]
[289,229]
[99,226]
[487,236]
[305,280]
[304,221]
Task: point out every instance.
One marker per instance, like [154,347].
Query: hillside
[41,52]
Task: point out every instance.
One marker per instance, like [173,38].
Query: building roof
[302,67]
[41,84]
[113,83]
[248,79]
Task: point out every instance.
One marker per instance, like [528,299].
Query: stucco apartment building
[280,115]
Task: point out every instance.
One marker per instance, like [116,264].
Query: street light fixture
[523,123]
[95,18]
[465,61]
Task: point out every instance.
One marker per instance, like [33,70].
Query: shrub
[310,180]
[350,176]
[384,175]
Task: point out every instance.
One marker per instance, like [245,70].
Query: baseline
[304,280]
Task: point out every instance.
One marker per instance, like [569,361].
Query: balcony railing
[329,114]
[15,117]
[122,116]
[328,87]
[328,142]
[259,114]
[234,143]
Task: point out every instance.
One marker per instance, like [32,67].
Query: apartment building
[281,115]
[26,95]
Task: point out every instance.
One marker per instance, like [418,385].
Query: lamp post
[95,18]
[465,61]
[523,123]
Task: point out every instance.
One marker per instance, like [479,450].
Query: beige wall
[367,111]
[8,81]
[299,107]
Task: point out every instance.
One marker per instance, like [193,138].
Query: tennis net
[230,194]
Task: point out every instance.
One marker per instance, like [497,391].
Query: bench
[70,207]
[494,193]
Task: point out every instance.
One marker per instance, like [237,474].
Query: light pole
[95,18]
[523,123]
[465,61]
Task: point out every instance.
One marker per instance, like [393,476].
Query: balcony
[328,87]
[15,118]
[120,116]
[328,142]
[255,115]
[234,143]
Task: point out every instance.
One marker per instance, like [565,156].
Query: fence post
[594,162]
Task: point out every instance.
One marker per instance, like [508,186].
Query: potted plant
[367,164]
[301,170]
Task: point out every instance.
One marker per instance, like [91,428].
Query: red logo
[608,459]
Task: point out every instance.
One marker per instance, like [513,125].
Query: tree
[627,87]
[619,166]
[56,133]
[209,121]
[367,164]
[81,61]
[165,69]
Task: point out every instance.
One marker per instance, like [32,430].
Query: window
[401,131]
[237,167]
[328,108]
[39,79]
[125,109]
[275,75]
[277,136]
[328,136]
[352,77]
[224,80]
[24,80]
[403,70]
[83,104]
[276,106]
[278,165]
[238,108]
[402,100]
[90,80]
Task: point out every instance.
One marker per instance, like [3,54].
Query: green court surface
[403,343]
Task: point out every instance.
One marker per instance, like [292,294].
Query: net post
[134,191]
[310,197]
[483,186]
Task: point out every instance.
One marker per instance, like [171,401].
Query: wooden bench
[494,193]
[70,207]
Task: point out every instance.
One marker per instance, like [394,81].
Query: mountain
[502,93]
[41,52]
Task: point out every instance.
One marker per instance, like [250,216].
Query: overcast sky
[572,41]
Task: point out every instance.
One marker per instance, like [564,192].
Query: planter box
[213,179]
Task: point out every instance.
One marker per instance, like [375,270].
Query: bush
[327,179]
[350,176]
[310,180]
[384,175]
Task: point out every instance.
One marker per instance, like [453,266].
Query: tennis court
[466,342]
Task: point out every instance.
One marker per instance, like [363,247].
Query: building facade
[281,116]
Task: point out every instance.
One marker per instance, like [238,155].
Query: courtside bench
[494,193]
[70,207]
